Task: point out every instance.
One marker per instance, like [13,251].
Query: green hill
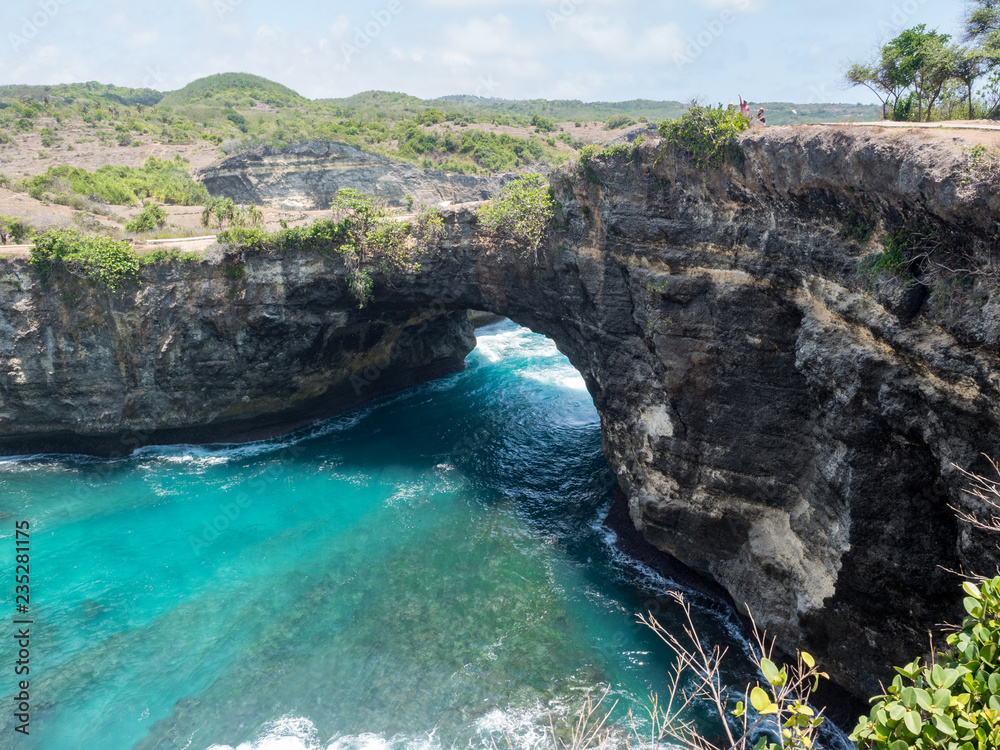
[234,90]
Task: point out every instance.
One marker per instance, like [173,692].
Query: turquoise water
[428,571]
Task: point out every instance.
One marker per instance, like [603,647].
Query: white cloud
[497,36]
[142,39]
[613,40]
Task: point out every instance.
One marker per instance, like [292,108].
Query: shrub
[521,212]
[151,217]
[13,228]
[954,703]
[618,121]
[707,135]
[163,180]
[543,124]
[322,236]
[168,255]
[96,258]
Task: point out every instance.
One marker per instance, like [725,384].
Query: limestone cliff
[306,176]
[223,350]
[780,414]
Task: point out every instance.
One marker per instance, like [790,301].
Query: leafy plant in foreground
[954,703]
[775,716]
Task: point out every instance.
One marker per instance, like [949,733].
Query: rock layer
[779,417]
[306,176]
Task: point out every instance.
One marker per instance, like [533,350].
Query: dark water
[429,571]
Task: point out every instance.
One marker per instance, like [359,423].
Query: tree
[374,241]
[875,78]
[970,66]
[922,60]
[921,66]
[982,26]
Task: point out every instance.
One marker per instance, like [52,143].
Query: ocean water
[429,571]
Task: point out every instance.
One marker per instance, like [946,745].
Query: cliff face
[779,416]
[216,351]
[307,176]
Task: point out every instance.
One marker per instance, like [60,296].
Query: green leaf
[945,725]
[808,660]
[994,683]
[769,669]
[972,590]
[740,709]
[942,698]
[973,607]
[759,699]
[924,699]
[913,722]
[899,745]
[909,697]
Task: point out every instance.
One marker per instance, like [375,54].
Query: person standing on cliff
[745,109]
[760,115]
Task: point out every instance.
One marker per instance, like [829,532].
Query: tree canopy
[921,69]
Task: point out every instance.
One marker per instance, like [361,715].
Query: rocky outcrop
[306,176]
[780,416]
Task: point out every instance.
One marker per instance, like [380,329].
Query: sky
[594,50]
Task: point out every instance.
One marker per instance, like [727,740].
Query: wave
[299,733]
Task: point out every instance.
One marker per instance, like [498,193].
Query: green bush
[708,135]
[521,212]
[163,180]
[953,704]
[543,124]
[618,121]
[96,258]
[168,255]
[151,217]
[322,236]
[893,260]
[13,229]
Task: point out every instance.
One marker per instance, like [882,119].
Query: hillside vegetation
[233,111]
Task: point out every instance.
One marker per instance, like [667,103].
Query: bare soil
[81,147]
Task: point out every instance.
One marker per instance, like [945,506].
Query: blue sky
[595,50]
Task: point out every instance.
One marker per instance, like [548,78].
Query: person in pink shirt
[744,108]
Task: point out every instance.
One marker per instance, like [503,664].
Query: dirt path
[946,125]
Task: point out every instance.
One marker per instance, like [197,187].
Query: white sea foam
[563,377]
[299,733]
